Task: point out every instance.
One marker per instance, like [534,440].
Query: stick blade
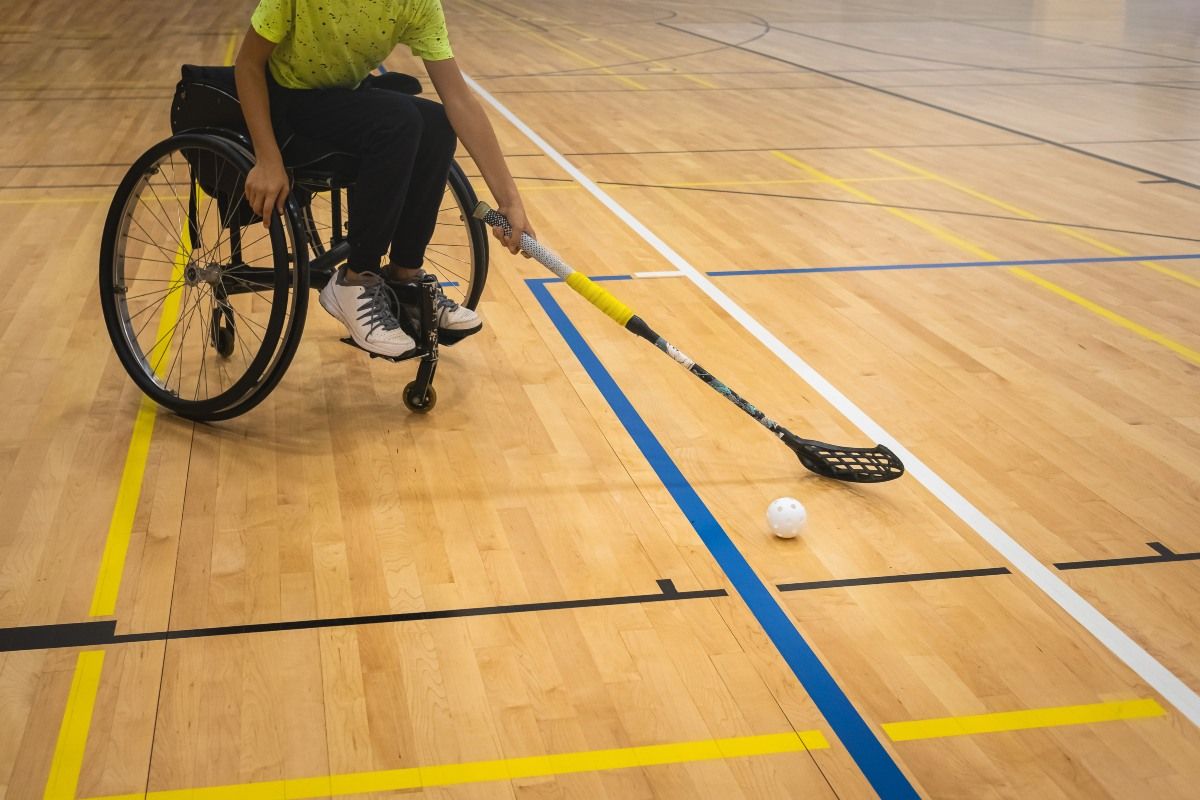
[852,464]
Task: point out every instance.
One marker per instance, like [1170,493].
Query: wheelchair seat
[206,100]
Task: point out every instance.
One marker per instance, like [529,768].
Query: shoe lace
[375,309]
[440,301]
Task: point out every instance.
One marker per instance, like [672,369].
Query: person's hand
[266,188]
[520,224]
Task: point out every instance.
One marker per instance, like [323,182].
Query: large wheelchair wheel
[457,253]
[204,307]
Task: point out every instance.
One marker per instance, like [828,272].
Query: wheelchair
[204,305]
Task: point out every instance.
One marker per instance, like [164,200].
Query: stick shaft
[604,300]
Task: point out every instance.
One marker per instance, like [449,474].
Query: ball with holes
[786,517]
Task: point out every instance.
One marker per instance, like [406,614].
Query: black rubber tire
[418,405]
[464,195]
[225,341]
[294,327]
[284,326]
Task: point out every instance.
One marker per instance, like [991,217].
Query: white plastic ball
[786,517]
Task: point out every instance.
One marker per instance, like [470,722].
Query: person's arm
[475,131]
[267,184]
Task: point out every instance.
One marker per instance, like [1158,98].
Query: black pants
[405,145]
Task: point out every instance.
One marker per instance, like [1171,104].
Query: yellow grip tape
[599,297]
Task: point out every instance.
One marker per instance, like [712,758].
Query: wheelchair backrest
[206,97]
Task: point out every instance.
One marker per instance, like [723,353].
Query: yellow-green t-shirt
[324,44]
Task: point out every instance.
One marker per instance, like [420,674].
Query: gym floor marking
[72,740]
[912,577]
[927,104]
[1164,556]
[531,34]
[1119,643]
[103,632]
[1178,348]
[1012,209]
[77,719]
[68,753]
[620,48]
[120,527]
[859,739]
[72,734]
[1041,262]
[1022,720]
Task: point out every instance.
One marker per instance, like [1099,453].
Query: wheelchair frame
[206,118]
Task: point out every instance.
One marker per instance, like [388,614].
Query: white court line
[666,273]
[1161,679]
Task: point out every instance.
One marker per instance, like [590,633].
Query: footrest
[450,338]
[416,352]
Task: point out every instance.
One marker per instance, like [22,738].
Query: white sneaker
[366,312]
[452,317]
[454,322]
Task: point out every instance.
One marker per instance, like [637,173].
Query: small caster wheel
[419,405]
[224,342]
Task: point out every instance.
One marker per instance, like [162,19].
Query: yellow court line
[73,733]
[912,219]
[34,201]
[229,49]
[969,247]
[31,201]
[782,182]
[620,48]
[561,188]
[1020,212]
[577,56]
[498,770]
[1022,720]
[120,525]
[1141,330]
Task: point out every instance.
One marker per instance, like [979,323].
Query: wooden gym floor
[966,229]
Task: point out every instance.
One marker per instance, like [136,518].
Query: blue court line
[733,273]
[870,756]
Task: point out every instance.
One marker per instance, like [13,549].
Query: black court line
[969,65]
[64,165]
[848,202]
[1070,68]
[936,107]
[58,186]
[979,24]
[1132,141]
[973,85]
[573,74]
[1164,556]
[700,150]
[879,579]
[75,99]
[103,632]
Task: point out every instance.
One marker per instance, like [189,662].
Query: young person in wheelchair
[302,63]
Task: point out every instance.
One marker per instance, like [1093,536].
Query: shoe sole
[335,312]
[452,336]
